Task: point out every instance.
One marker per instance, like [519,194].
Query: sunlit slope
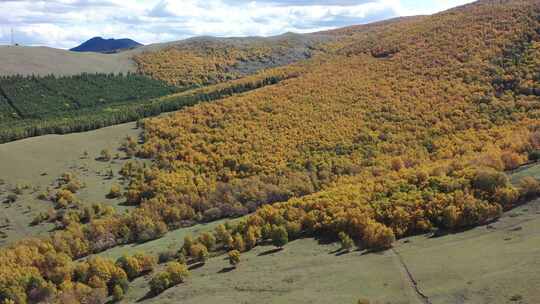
[410,107]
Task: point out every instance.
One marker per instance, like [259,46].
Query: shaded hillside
[100,45]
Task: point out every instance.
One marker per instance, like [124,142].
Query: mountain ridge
[100,45]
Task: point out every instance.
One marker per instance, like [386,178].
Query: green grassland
[37,162]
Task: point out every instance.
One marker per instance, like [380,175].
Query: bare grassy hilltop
[23,60]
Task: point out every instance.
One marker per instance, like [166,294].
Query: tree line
[90,112]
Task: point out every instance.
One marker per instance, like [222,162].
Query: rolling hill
[23,60]
[412,143]
[274,51]
[190,64]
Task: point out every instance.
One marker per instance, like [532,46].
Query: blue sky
[66,23]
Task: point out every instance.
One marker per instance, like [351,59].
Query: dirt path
[408,277]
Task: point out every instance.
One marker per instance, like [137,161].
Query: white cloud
[66,23]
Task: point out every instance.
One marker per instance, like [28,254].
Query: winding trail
[407,275]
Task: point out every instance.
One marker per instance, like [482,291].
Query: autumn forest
[378,132]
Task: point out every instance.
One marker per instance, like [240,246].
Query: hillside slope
[184,62]
[206,60]
[387,131]
[21,60]
[378,108]
[478,266]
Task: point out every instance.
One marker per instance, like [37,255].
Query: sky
[67,23]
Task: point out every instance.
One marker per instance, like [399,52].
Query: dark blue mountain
[100,45]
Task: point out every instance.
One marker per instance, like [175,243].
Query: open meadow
[34,164]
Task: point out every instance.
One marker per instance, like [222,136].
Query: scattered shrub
[105,155]
[280,237]
[238,243]
[160,282]
[378,236]
[118,293]
[177,272]
[115,191]
[234,258]
[12,198]
[529,187]
[208,240]
[346,241]
[199,252]
[174,274]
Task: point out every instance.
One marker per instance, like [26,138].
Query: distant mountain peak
[100,45]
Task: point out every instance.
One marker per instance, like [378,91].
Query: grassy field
[304,272]
[497,263]
[22,60]
[37,162]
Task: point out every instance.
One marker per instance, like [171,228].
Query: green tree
[160,282]
[118,293]
[177,272]
[208,240]
[280,237]
[346,241]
